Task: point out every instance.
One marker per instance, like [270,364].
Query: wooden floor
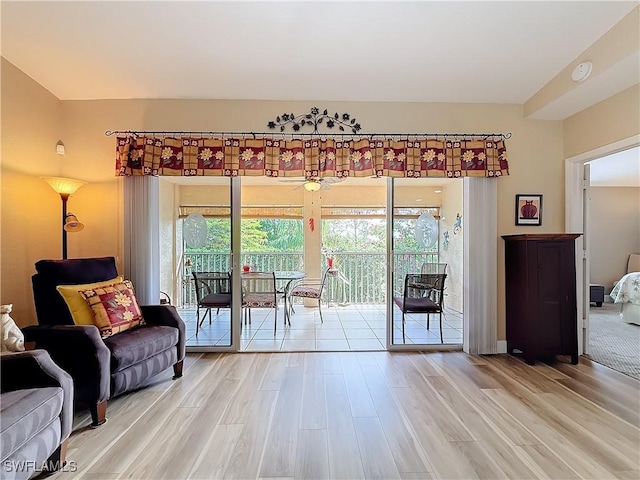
[368,415]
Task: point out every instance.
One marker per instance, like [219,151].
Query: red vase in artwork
[528,210]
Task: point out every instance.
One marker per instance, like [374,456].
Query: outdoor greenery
[368,235]
[257,235]
[356,240]
[286,235]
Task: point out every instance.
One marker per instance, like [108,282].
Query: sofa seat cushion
[136,345]
[25,413]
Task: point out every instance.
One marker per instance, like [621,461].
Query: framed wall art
[529,209]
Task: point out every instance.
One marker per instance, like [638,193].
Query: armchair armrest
[166,315]
[33,369]
[81,352]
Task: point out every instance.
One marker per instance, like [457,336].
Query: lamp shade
[64,185]
[72,224]
[312,186]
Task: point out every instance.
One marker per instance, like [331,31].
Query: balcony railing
[363,277]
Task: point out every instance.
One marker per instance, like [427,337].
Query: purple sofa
[36,414]
[101,368]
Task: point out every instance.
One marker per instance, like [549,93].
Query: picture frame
[529,209]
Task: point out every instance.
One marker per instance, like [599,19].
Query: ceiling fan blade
[328,180]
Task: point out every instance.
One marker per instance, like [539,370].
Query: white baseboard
[502,346]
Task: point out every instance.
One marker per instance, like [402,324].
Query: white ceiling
[478,52]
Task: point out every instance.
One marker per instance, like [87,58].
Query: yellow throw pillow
[80,311]
[115,308]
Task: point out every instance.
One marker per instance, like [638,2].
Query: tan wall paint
[613,119]
[536,154]
[615,232]
[453,255]
[31,210]
[169,199]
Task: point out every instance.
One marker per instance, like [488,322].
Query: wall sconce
[66,187]
[312,185]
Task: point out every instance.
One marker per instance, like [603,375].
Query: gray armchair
[36,414]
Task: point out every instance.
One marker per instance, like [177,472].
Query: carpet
[613,342]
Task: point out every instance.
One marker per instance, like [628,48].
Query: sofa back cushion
[51,308]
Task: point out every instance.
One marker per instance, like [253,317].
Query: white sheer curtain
[480,226]
[142,237]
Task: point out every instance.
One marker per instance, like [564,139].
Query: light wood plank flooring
[375,415]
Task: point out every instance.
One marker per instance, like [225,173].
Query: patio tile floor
[345,328]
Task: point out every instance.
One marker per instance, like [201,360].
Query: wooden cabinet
[540,283]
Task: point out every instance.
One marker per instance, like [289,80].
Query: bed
[626,294]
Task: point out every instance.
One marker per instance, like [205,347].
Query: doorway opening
[591,209]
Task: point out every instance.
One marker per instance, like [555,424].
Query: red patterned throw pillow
[115,308]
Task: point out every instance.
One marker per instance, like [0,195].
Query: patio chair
[433,268]
[213,290]
[423,293]
[311,288]
[259,291]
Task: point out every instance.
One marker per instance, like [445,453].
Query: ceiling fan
[313,184]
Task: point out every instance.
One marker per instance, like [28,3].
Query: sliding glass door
[425,254]
[196,255]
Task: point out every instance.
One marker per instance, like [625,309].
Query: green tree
[284,234]
[252,237]
[354,235]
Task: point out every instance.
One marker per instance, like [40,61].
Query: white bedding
[626,293]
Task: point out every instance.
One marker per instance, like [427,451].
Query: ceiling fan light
[312,186]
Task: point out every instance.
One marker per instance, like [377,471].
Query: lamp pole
[64,197]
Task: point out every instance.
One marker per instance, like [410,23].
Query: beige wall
[609,121]
[536,153]
[169,199]
[615,232]
[453,255]
[31,210]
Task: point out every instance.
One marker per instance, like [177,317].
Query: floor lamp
[66,187]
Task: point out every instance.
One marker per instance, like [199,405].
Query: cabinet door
[569,310]
[552,296]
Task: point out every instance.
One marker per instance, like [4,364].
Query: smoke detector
[581,72]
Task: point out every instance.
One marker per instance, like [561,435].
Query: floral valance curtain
[310,157]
